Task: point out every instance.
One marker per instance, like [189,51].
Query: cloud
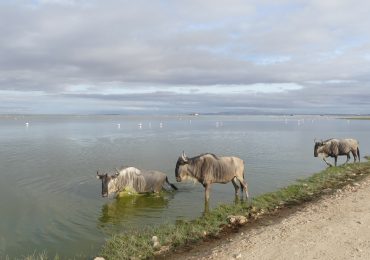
[209,51]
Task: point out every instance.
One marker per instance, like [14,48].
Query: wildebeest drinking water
[133,179]
[208,168]
[336,147]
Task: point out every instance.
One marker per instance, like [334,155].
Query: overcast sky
[165,57]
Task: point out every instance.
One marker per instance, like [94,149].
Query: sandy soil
[334,227]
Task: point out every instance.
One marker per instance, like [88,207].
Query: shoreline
[334,226]
[215,226]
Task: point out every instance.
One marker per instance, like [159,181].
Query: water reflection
[237,200]
[129,206]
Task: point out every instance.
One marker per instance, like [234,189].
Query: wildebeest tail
[172,185]
[358,154]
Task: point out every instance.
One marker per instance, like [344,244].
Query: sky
[189,56]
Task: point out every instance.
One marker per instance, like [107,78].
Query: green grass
[138,244]
[36,256]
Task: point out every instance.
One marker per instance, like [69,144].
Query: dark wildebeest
[208,168]
[131,178]
[336,147]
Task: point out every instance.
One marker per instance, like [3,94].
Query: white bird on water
[27,124]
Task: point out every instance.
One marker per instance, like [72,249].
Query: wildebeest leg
[335,160]
[358,154]
[244,186]
[329,164]
[207,189]
[354,153]
[206,208]
[236,186]
[349,157]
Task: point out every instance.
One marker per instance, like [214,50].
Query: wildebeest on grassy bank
[135,180]
[208,168]
[336,147]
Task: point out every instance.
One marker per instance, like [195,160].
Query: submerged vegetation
[139,243]
[357,118]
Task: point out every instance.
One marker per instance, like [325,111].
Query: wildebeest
[208,168]
[131,178]
[336,147]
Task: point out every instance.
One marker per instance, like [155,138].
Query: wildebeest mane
[130,177]
[203,154]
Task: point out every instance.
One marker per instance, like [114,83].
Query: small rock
[165,248]
[237,256]
[356,184]
[359,222]
[237,220]
[156,245]
[232,219]
[99,258]
[162,250]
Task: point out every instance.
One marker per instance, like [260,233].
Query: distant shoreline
[343,116]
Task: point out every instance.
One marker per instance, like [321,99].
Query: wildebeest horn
[184,157]
[97,175]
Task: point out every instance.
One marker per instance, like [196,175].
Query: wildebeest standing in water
[337,147]
[208,168]
[131,178]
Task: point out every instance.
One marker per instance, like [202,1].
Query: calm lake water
[50,198]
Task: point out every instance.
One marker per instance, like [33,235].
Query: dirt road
[334,227]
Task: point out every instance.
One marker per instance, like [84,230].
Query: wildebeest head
[181,162]
[318,145]
[106,188]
